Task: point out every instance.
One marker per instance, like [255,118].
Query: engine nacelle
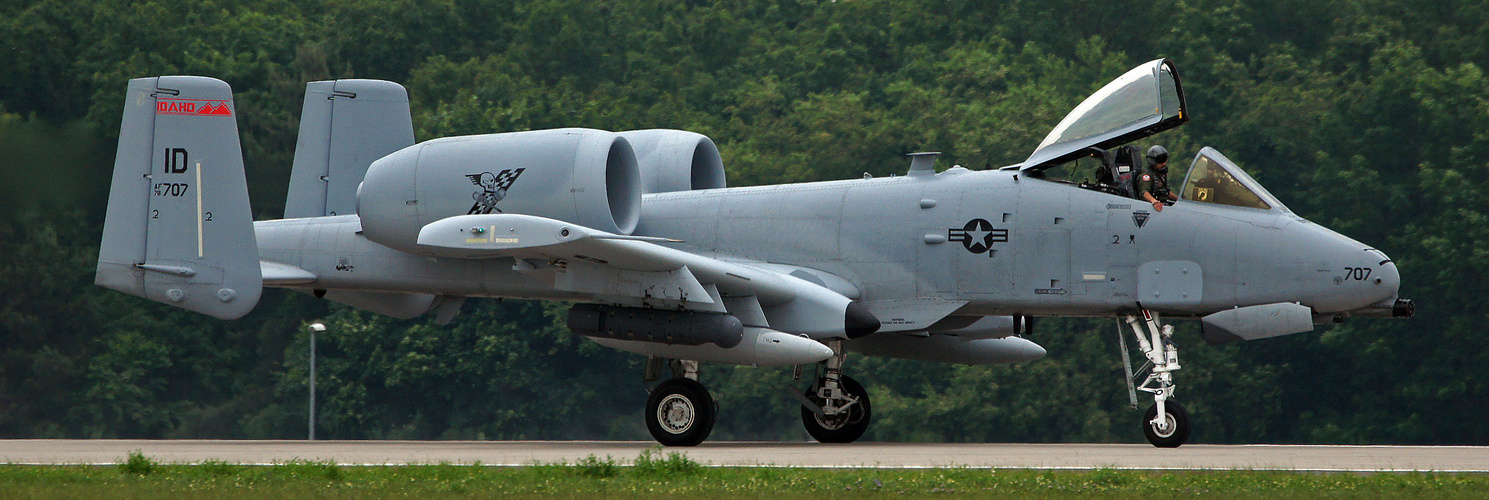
[587,177]
[676,160]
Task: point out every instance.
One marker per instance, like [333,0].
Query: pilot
[1152,183]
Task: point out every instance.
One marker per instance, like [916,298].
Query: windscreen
[1214,179]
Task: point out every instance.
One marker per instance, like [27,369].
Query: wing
[644,272]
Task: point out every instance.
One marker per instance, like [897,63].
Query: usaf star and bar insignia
[978,236]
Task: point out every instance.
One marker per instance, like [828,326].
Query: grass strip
[654,475]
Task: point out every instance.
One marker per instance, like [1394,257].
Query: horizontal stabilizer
[178,228]
[279,274]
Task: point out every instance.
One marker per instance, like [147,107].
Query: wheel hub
[838,415]
[1165,426]
[676,414]
[832,422]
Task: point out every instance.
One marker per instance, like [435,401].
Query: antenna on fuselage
[923,163]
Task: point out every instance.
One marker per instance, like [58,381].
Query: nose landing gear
[1165,424]
[1171,430]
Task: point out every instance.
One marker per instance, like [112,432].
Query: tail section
[344,126]
[179,229]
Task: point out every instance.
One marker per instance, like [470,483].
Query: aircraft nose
[1354,276]
[1390,277]
[1386,281]
[1391,280]
[1370,279]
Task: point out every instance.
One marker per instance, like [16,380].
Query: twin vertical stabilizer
[179,229]
[345,125]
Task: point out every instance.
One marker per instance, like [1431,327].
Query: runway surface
[895,455]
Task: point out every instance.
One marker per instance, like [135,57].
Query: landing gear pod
[757,347]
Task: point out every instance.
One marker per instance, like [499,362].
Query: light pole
[315,327]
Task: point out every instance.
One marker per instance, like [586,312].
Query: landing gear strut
[680,412]
[836,408]
[1165,424]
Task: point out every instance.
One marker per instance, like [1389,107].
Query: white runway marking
[814,455]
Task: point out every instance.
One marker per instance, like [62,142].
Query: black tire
[680,412]
[1177,435]
[841,429]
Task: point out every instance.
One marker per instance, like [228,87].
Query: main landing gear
[680,412]
[836,408]
[1165,424]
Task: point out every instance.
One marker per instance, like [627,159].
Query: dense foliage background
[1367,116]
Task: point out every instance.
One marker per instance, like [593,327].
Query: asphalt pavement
[892,455]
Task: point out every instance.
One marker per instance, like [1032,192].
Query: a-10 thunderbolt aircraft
[638,230]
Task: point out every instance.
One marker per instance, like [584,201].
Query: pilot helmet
[1158,155]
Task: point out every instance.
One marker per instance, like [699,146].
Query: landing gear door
[1144,101]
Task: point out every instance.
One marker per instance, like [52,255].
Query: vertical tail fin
[179,229]
[345,125]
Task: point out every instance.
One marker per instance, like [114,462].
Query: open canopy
[1144,101]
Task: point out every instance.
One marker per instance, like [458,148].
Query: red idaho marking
[193,107]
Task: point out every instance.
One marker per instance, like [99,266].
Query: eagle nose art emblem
[493,189]
[977,236]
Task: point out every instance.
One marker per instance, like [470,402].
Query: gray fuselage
[1051,248]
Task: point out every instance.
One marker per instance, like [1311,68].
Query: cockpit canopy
[1144,101]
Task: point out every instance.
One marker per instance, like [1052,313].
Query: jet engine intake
[582,176]
[655,325]
[675,160]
